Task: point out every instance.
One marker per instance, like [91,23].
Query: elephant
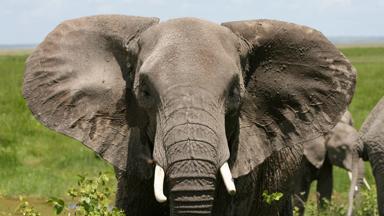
[334,149]
[370,147]
[197,118]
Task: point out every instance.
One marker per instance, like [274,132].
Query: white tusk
[350,175]
[228,180]
[364,180]
[158,184]
[350,179]
[366,184]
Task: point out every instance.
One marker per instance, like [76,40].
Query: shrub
[91,197]
[269,198]
[329,208]
[25,209]
[366,205]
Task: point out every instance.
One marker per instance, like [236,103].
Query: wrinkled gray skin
[188,95]
[321,154]
[370,147]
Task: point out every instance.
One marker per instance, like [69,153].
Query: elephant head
[341,145]
[337,145]
[195,97]
[340,142]
[370,146]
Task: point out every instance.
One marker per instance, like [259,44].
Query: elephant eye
[233,99]
[144,92]
[234,91]
[144,95]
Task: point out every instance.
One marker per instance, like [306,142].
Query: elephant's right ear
[75,82]
[297,85]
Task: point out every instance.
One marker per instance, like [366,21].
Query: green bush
[91,198]
[366,204]
[329,208]
[272,197]
[25,209]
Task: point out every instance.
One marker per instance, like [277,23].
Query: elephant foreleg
[301,196]
[121,192]
[302,185]
[286,209]
[325,183]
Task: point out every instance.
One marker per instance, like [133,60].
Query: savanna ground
[38,163]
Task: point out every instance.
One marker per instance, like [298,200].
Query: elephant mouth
[160,175]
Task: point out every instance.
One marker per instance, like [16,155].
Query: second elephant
[321,154]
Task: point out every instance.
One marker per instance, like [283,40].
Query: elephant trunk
[191,147]
[375,152]
[191,193]
[371,149]
[370,146]
[192,170]
[354,182]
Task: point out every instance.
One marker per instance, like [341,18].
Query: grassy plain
[39,163]
[34,161]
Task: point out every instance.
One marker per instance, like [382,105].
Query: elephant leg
[286,209]
[121,192]
[135,196]
[301,197]
[325,183]
[302,185]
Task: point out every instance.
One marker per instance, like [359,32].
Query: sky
[29,21]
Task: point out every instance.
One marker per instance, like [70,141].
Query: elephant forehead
[190,34]
[191,52]
[342,134]
[191,29]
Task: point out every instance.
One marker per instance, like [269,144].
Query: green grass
[35,161]
[369,63]
[39,163]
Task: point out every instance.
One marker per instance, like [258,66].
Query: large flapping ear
[75,82]
[341,144]
[297,87]
[315,151]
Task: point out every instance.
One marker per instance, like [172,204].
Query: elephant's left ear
[297,87]
[315,151]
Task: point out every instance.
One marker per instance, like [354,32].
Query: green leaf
[58,204]
[269,198]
